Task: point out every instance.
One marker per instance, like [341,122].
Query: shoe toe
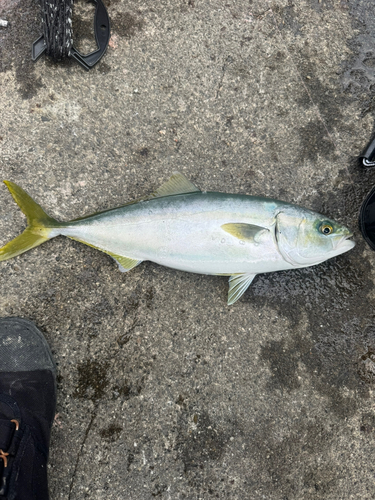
[23,347]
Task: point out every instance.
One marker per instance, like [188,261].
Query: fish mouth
[345,243]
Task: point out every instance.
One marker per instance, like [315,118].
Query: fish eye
[326,229]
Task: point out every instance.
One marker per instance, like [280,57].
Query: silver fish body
[185,232]
[183,228]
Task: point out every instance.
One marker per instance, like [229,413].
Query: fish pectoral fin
[125,264]
[177,184]
[238,284]
[250,232]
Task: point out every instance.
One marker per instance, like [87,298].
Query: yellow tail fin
[39,224]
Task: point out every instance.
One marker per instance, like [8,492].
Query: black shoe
[367,219]
[27,410]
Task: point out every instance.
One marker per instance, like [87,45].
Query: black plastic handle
[37,48]
[102,35]
[368,155]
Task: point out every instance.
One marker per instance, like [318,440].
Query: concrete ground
[163,391]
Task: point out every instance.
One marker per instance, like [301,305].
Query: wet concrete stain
[129,461]
[283,362]
[314,142]
[158,490]
[329,100]
[128,389]
[126,24]
[366,364]
[92,380]
[367,423]
[333,296]
[186,5]
[83,26]
[111,433]
[281,458]
[133,306]
[144,152]
[276,60]
[321,481]
[104,68]
[15,46]
[358,76]
[199,440]
[94,315]
[321,5]
[289,19]
[277,460]
[61,301]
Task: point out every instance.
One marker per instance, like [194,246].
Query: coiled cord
[57,27]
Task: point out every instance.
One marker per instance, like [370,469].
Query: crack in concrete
[93,416]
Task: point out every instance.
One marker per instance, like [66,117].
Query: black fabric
[27,402]
[7,429]
[57,27]
[26,473]
[367,219]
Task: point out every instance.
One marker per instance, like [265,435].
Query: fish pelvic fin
[238,284]
[39,224]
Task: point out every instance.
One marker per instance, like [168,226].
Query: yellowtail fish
[181,227]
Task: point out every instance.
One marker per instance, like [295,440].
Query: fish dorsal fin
[177,184]
[238,284]
[244,231]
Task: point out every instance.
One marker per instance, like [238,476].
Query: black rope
[57,27]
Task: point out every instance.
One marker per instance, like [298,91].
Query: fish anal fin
[238,284]
[125,264]
[249,232]
[177,184]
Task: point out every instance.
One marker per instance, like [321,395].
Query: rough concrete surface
[163,391]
